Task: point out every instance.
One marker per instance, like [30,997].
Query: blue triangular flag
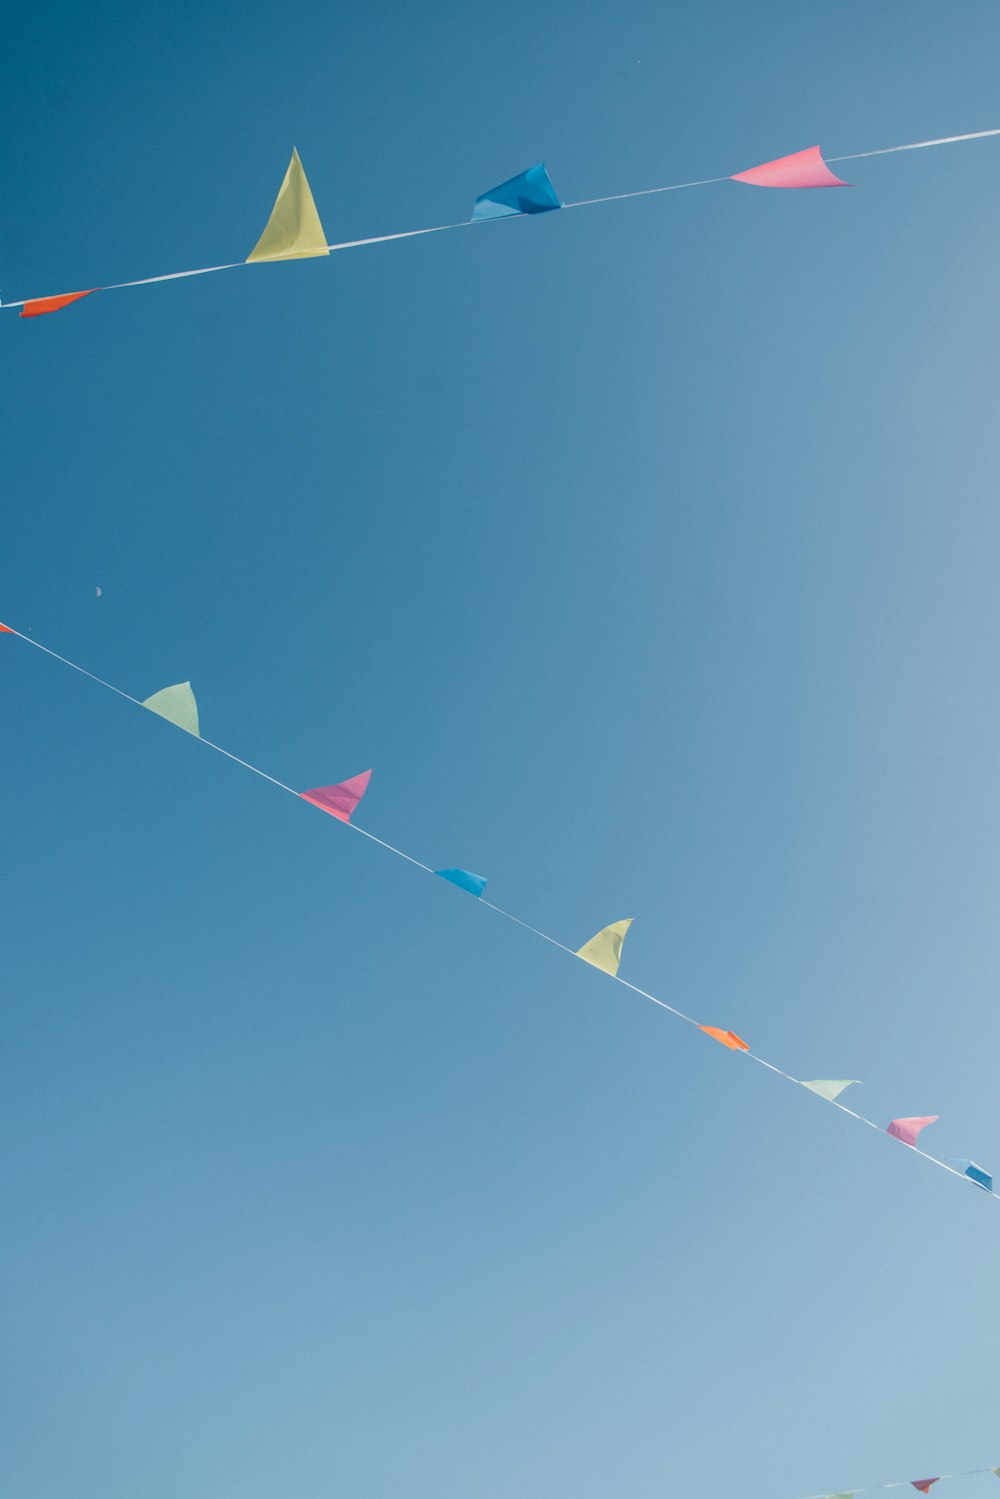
[973,1172]
[529,192]
[475,884]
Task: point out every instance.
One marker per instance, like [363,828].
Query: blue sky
[647,553]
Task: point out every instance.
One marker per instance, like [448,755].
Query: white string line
[381,239]
[508,915]
[647,192]
[944,140]
[239,265]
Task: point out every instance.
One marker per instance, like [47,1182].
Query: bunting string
[294,230]
[922,1485]
[177,705]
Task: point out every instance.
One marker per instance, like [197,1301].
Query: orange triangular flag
[39,305]
[6,629]
[728,1038]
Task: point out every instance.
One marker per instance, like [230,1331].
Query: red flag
[728,1038]
[923,1484]
[38,305]
[6,629]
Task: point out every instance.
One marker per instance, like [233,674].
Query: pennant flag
[907,1130]
[340,801]
[996,1471]
[979,1176]
[6,630]
[803,169]
[176,704]
[728,1038]
[830,1087]
[529,192]
[605,950]
[293,232]
[924,1484]
[972,1171]
[474,883]
[38,305]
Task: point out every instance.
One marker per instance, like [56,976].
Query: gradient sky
[649,555]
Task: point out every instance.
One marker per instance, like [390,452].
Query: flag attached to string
[340,800]
[979,1176]
[907,1130]
[528,192]
[972,1171]
[924,1484]
[802,169]
[830,1087]
[39,305]
[6,630]
[475,884]
[293,232]
[605,950]
[177,705]
[728,1038]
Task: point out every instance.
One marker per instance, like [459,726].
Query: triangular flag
[830,1087]
[996,1471]
[176,704]
[907,1130]
[529,192]
[293,232]
[605,950]
[475,884]
[802,169]
[979,1176]
[6,630]
[38,305]
[728,1038]
[340,800]
[923,1484]
[972,1171]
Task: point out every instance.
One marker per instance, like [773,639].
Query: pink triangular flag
[923,1484]
[340,801]
[907,1130]
[803,169]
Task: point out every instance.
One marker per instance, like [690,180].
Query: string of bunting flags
[177,705]
[294,230]
[922,1485]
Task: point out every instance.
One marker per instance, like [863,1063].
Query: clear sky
[649,555]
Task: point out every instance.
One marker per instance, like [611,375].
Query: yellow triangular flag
[293,231]
[605,950]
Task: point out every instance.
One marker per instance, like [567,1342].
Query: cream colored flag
[605,950]
[830,1087]
[293,232]
[176,704]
